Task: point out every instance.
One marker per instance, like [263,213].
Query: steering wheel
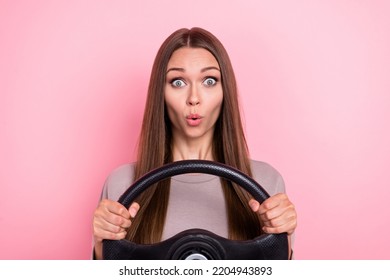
[197,244]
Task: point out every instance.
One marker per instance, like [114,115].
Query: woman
[192,112]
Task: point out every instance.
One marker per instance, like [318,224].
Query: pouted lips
[193,119]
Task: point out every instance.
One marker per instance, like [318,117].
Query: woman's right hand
[111,221]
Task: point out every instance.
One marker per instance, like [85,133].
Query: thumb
[133,209]
[254,205]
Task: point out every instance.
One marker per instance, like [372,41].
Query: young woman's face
[193,93]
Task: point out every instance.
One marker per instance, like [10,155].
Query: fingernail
[133,212]
[253,204]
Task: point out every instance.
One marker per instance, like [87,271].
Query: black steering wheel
[197,244]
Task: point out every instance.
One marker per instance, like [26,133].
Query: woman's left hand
[277,214]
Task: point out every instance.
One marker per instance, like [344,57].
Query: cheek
[169,100]
[173,106]
[217,103]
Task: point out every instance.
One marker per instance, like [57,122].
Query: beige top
[195,200]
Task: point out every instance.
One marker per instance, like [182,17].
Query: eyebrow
[203,69]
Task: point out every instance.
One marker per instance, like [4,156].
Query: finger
[279,221]
[108,228]
[272,202]
[268,214]
[104,234]
[277,216]
[133,210]
[288,227]
[100,234]
[115,220]
[116,208]
[276,212]
[286,222]
[254,205]
[109,211]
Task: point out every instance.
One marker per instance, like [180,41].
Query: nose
[193,97]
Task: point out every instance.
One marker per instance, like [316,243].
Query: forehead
[186,57]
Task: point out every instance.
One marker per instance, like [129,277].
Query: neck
[193,149]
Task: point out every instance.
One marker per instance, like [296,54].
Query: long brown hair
[154,147]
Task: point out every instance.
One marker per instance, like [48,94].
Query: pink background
[314,86]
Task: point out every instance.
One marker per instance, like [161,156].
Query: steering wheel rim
[212,246]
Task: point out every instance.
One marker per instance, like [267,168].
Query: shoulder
[268,177]
[118,181]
